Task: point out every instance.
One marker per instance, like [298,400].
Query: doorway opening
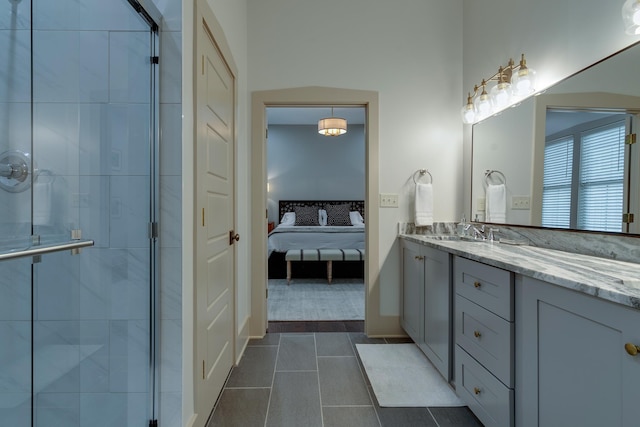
[315,264]
[375,323]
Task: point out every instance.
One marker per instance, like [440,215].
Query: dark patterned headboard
[285,206]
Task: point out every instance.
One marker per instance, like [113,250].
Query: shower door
[77,213]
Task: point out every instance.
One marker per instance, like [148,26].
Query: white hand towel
[496,203]
[424,205]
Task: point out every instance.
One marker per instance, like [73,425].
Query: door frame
[375,323]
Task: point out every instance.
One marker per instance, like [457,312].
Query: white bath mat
[402,376]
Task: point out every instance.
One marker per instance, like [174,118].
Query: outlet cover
[481,203]
[388,200]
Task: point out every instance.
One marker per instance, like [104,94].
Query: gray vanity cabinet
[573,368]
[412,313]
[484,337]
[426,302]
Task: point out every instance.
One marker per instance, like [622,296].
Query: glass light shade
[500,95]
[483,106]
[332,126]
[631,16]
[468,114]
[523,82]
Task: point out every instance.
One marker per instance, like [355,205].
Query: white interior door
[215,201]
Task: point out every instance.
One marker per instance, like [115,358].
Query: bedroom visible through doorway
[315,197]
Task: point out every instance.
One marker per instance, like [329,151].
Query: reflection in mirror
[584,169]
[564,154]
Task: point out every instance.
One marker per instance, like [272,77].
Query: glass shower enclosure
[78,185]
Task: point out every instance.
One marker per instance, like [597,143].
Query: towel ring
[422,173]
[488,173]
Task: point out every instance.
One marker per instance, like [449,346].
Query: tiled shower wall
[91,116]
[90,131]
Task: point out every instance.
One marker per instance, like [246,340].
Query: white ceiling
[311,115]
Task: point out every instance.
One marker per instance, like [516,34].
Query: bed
[299,233]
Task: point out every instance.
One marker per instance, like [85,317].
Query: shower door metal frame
[152,16]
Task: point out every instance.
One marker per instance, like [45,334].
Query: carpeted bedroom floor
[314,299]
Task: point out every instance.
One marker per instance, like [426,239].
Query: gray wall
[304,165]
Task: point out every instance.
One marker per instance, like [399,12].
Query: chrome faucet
[478,233]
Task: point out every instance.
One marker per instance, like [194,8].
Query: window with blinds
[556,194]
[587,195]
[600,195]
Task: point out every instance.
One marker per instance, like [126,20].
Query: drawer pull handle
[476,390]
[419,257]
[632,349]
[477,285]
[477,334]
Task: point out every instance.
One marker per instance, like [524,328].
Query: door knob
[233,237]
[632,349]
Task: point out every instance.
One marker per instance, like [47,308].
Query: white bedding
[285,237]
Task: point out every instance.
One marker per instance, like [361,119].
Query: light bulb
[483,105]
[631,16]
[468,114]
[523,82]
[501,95]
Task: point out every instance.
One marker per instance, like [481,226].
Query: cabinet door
[437,309]
[412,291]
[571,360]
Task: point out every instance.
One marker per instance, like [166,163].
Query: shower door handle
[46,249]
[233,237]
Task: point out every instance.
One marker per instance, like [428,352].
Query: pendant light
[332,126]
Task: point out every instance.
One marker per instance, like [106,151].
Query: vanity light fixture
[332,126]
[631,17]
[512,82]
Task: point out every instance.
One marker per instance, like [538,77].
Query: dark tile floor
[315,379]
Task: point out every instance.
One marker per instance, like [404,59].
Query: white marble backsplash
[618,247]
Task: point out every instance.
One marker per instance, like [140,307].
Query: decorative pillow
[356,218]
[306,215]
[289,218]
[338,214]
[323,217]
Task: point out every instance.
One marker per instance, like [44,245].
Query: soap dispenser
[462,226]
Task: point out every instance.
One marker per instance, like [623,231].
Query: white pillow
[356,218]
[288,218]
[322,217]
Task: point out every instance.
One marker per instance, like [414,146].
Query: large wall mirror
[562,158]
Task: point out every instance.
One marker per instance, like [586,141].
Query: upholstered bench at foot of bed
[328,255]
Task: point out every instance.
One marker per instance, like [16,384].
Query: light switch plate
[521,202]
[388,200]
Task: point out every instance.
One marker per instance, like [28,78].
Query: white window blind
[600,194]
[556,194]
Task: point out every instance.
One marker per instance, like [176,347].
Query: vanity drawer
[487,286]
[486,337]
[490,400]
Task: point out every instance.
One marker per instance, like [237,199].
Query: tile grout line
[315,348]
[432,416]
[273,379]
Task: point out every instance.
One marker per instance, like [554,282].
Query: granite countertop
[611,280]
